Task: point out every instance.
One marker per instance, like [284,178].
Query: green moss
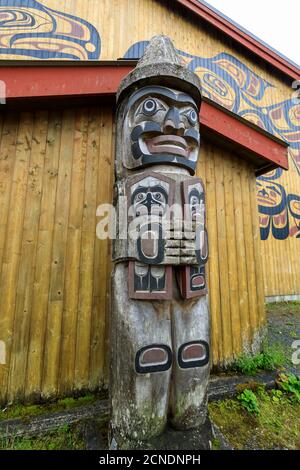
[251,385]
[64,438]
[26,411]
[294,334]
[276,426]
[215,444]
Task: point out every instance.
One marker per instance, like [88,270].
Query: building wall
[109,29]
[56,167]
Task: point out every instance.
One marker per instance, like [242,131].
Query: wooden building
[60,67]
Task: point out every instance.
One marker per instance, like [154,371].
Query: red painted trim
[241,134]
[241,37]
[61,81]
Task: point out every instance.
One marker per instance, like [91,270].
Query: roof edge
[209,14]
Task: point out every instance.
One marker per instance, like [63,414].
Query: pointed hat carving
[160,50]
[161,65]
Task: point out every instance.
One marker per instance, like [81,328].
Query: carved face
[150,199]
[161,126]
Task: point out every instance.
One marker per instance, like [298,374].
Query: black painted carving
[165,128]
[149,278]
[159,367]
[149,196]
[197,278]
[188,364]
[149,282]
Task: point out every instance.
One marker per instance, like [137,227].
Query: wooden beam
[50,82]
[244,136]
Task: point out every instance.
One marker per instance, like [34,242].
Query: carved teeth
[171,144]
[170,140]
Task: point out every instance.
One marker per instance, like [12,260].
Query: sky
[276,22]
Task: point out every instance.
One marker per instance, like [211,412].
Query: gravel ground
[284,329]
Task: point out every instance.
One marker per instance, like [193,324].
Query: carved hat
[161,65]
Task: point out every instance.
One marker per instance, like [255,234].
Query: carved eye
[192,116]
[157,196]
[194,201]
[140,197]
[149,107]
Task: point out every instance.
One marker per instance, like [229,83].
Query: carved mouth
[170,144]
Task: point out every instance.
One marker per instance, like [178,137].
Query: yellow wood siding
[121,23]
[56,167]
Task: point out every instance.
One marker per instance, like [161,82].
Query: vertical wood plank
[58,262]
[13,242]
[246,174]
[260,291]
[73,256]
[233,281]
[43,259]
[84,323]
[24,286]
[241,254]
[223,255]
[9,128]
[102,254]
[213,263]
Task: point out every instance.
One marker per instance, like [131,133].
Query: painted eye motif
[157,196]
[140,197]
[192,117]
[149,107]
[194,201]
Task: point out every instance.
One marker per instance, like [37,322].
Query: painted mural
[33,30]
[230,83]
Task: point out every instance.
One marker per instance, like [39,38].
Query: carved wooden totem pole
[159,329]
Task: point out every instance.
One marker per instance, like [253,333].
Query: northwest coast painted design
[230,83]
[28,28]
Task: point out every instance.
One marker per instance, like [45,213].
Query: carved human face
[161,126]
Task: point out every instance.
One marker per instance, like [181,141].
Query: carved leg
[141,362]
[191,334]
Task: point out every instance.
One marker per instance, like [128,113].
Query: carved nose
[173,123]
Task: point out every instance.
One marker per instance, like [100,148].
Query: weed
[249,401]
[276,395]
[270,359]
[290,384]
[262,394]
[215,444]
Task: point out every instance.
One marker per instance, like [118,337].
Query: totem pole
[159,326]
